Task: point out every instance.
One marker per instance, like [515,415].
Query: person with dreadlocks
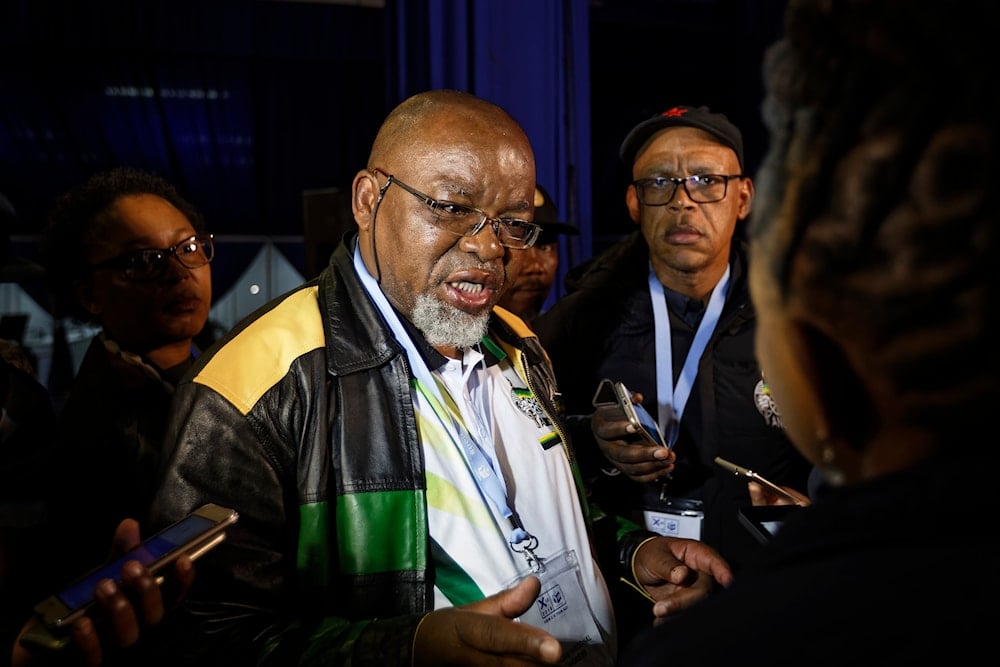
[873,270]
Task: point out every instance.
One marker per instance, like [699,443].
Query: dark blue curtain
[246,105]
[528,56]
[242,105]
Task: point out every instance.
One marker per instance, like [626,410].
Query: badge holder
[562,610]
[673,517]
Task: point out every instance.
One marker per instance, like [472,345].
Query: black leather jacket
[303,422]
[604,328]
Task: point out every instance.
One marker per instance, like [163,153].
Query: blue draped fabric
[528,56]
[244,106]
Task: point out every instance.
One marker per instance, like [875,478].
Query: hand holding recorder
[628,435]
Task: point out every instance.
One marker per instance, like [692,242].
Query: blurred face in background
[533,283]
[168,307]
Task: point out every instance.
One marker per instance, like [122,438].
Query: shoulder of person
[629,256]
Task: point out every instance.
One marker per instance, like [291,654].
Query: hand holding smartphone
[193,535]
[752,476]
[614,401]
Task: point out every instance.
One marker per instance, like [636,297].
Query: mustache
[496,270]
[684,227]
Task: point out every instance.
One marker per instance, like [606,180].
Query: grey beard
[445,325]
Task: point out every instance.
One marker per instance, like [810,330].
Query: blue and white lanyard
[672,399]
[480,467]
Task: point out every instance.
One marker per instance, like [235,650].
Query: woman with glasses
[126,252]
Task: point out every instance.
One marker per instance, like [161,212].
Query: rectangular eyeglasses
[463,220]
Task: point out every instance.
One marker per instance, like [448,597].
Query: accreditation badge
[562,610]
[673,517]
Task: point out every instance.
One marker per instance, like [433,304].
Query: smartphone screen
[648,424]
[81,593]
[614,400]
[194,534]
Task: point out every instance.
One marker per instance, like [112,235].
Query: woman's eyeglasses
[150,263]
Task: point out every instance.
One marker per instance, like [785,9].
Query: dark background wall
[247,105]
[243,105]
[649,55]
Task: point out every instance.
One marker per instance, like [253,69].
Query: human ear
[746,198]
[849,407]
[632,203]
[84,293]
[846,417]
[364,198]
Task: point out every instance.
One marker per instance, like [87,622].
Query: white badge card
[563,611]
[680,523]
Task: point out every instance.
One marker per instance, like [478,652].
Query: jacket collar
[356,337]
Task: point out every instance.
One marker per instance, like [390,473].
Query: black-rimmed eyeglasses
[463,220]
[150,263]
[702,188]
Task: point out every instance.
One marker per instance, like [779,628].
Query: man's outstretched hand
[678,573]
[484,633]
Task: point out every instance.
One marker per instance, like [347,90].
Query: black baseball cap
[715,124]
[546,216]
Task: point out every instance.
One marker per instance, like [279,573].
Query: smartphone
[764,521]
[614,401]
[193,535]
[751,475]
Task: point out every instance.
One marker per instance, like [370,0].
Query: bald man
[391,442]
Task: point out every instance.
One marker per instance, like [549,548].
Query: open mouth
[468,296]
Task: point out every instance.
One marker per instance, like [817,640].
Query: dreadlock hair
[879,196]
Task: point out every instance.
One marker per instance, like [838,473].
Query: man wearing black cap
[533,283]
[667,311]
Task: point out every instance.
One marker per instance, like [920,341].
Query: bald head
[441,116]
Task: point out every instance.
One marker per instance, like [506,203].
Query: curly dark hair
[879,198]
[76,216]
